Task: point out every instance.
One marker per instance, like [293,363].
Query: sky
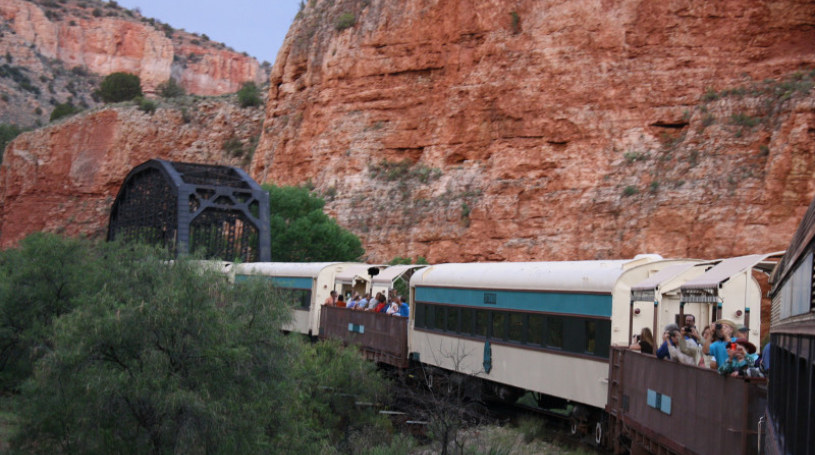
[256,27]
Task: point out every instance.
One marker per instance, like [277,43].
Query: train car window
[467,321]
[499,325]
[482,322]
[602,336]
[452,320]
[591,337]
[419,316]
[574,335]
[440,322]
[300,298]
[535,333]
[516,327]
[430,317]
[554,334]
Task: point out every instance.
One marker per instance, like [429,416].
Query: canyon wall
[465,130]
[64,177]
[104,38]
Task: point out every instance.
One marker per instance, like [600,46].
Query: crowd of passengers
[393,305]
[724,346]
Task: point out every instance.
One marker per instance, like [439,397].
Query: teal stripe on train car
[548,302]
[282,281]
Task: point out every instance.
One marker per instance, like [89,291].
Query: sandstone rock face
[65,177]
[121,42]
[464,130]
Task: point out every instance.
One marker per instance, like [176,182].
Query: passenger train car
[790,424]
[559,330]
[496,320]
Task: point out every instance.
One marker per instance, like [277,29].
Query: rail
[380,337]
[665,407]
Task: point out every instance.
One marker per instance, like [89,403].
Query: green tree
[166,357]
[7,134]
[63,110]
[118,87]
[170,89]
[39,281]
[301,232]
[249,95]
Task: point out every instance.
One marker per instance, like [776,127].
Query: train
[788,426]
[555,331]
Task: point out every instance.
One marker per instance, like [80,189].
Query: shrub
[516,22]
[63,110]
[7,134]
[97,12]
[346,20]
[630,191]
[146,105]
[170,89]
[118,87]
[249,95]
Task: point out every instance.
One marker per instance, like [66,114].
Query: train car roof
[293,269]
[725,269]
[353,272]
[661,277]
[568,276]
[391,273]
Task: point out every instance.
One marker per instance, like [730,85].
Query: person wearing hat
[741,355]
[718,339]
[743,332]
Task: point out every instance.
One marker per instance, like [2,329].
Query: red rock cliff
[122,42]
[464,130]
[64,177]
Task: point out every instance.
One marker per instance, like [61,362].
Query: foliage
[170,89]
[8,131]
[743,119]
[118,87]
[301,232]
[165,358]
[345,20]
[630,191]
[249,95]
[63,110]
[403,170]
[138,354]
[16,74]
[516,22]
[147,105]
[334,379]
[39,281]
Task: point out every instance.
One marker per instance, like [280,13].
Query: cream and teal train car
[541,327]
[307,285]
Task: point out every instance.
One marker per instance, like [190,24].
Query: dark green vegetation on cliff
[112,349]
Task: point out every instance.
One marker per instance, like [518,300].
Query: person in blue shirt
[741,355]
[404,308]
[662,352]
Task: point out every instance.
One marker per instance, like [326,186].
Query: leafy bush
[63,110]
[630,191]
[146,105]
[346,20]
[118,87]
[249,95]
[170,89]
[301,232]
[7,134]
[126,352]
